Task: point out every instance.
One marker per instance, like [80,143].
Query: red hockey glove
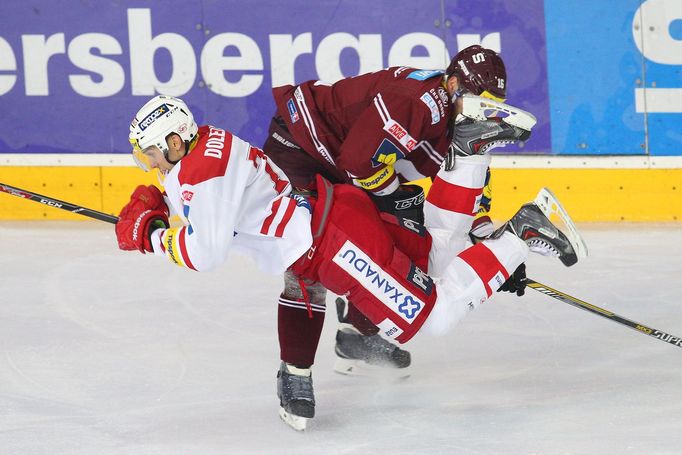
[145,212]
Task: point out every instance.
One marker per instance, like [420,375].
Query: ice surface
[107,352]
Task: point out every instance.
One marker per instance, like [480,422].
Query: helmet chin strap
[165,155]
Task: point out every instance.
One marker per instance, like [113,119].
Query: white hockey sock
[450,207]
[297,371]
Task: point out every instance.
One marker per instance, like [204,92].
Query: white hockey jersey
[229,195]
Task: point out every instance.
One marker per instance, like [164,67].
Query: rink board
[588,194]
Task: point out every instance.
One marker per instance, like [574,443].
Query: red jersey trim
[209,157]
[454,198]
[486,265]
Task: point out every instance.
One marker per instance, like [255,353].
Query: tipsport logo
[379,283]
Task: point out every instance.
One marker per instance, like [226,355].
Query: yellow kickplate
[603,195]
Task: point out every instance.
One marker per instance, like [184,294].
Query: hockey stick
[531,283]
[668,338]
[58,204]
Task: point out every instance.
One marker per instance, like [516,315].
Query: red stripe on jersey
[485,264]
[268,221]
[208,159]
[255,155]
[163,247]
[454,198]
[285,220]
[183,249]
[280,184]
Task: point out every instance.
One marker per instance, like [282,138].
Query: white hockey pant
[468,274]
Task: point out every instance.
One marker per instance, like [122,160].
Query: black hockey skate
[532,226]
[472,137]
[296,396]
[367,355]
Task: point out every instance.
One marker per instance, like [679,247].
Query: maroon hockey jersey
[376,127]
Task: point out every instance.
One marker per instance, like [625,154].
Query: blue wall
[71,78]
[594,68]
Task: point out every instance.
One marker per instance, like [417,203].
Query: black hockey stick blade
[658,334]
[58,204]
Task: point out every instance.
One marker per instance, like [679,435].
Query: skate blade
[296,422]
[550,205]
[480,108]
[354,367]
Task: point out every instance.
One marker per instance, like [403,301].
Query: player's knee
[459,292]
[317,293]
[296,289]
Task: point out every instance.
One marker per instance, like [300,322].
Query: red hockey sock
[298,332]
[360,321]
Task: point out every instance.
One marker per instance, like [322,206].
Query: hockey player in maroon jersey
[376,131]
[359,128]
[229,195]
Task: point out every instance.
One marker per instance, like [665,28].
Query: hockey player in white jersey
[230,196]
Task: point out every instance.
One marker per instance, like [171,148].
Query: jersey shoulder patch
[433,107]
[422,75]
[209,157]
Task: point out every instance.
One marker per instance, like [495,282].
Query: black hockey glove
[405,202]
[516,282]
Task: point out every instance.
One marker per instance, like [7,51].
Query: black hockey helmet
[480,71]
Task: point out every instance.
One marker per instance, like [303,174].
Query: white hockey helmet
[158,118]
